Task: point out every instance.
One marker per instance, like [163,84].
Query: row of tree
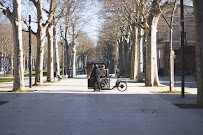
[130,20]
[55,20]
[131,23]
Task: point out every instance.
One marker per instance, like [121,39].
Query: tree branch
[1,7]
[59,16]
[164,6]
[51,14]
[34,33]
[34,2]
[26,23]
[166,20]
[6,11]
[45,11]
[46,24]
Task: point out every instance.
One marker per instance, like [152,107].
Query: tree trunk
[67,58]
[121,57]
[128,57]
[50,72]
[39,58]
[40,45]
[33,63]
[171,62]
[74,60]
[12,62]
[133,73]
[171,58]
[73,51]
[151,54]
[125,59]
[24,63]
[18,83]
[63,60]
[116,58]
[2,58]
[27,63]
[4,68]
[199,49]
[84,62]
[140,55]
[57,65]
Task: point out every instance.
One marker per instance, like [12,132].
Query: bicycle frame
[116,84]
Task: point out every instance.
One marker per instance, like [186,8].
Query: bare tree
[57,63]
[114,11]
[140,55]
[145,15]
[71,27]
[70,7]
[149,21]
[85,49]
[50,37]
[73,45]
[171,67]
[6,42]
[56,9]
[41,34]
[15,19]
[50,63]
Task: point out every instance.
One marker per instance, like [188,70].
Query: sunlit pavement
[69,108]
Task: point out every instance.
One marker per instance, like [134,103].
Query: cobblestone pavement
[69,108]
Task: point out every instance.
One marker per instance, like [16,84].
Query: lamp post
[30,54]
[182,49]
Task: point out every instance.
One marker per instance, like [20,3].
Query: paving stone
[69,108]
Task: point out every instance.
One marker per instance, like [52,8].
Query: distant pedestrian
[162,72]
[159,72]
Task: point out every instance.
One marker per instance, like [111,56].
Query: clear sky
[93,19]
[90,15]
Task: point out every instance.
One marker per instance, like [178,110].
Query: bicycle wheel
[122,86]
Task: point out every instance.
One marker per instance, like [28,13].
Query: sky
[93,19]
[90,15]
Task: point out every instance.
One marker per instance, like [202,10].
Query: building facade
[163,41]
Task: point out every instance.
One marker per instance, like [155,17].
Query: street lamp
[182,49]
[30,54]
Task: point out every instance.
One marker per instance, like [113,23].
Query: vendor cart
[105,82]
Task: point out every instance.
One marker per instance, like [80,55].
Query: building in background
[163,36]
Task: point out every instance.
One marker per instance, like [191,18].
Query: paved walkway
[69,108]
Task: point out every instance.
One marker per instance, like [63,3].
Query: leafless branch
[34,2]
[6,11]
[34,33]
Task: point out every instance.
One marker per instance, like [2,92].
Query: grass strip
[33,73]
[6,80]
[19,91]
[173,92]
[41,85]
[168,92]
[159,86]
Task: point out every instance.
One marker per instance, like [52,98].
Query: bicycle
[120,85]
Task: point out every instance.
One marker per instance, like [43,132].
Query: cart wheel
[122,86]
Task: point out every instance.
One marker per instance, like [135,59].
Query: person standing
[102,72]
[96,78]
[102,76]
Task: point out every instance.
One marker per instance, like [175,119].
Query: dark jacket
[94,74]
